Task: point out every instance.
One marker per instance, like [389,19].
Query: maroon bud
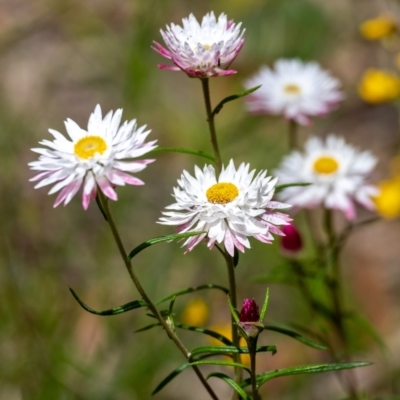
[291,243]
[249,318]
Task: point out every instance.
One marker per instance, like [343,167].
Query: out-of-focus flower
[294,89]
[388,200]
[202,51]
[337,172]
[378,28]
[292,242]
[249,318]
[195,313]
[92,158]
[378,86]
[229,209]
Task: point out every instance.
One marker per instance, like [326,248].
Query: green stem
[233,298]
[211,124]
[252,345]
[171,334]
[293,135]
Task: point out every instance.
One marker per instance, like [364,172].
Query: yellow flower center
[222,193]
[378,28]
[379,86]
[207,46]
[292,89]
[326,165]
[88,146]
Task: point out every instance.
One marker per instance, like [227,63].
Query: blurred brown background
[58,59]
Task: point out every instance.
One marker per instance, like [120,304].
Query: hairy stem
[171,334]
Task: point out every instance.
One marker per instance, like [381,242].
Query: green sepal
[304,369]
[205,331]
[192,289]
[231,383]
[295,336]
[199,153]
[234,312]
[161,239]
[279,188]
[264,306]
[112,311]
[100,207]
[218,108]
[223,363]
[146,328]
[214,350]
[235,257]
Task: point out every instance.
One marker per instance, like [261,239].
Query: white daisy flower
[92,157]
[204,50]
[337,172]
[294,89]
[229,209]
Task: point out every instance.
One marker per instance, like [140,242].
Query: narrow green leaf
[171,305]
[192,289]
[265,305]
[146,328]
[229,350]
[218,108]
[208,332]
[223,363]
[199,153]
[279,188]
[234,312]
[160,239]
[169,377]
[231,383]
[113,311]
[296,336]
[308,369]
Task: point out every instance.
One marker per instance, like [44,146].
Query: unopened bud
[291,243]
[249,318]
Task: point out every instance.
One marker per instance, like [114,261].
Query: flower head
[337,172]
[379,86]
[228,209]
[92,157]
[387,201]
[378,28]
[249,318]
[292,242]
[294,89]
[204,50]
[195,313]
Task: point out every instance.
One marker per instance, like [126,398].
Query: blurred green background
[58,59]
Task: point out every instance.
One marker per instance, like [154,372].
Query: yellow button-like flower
[379,86]
[195,313]
[388,201]
[378,28]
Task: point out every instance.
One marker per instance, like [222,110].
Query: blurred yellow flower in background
[379,86]
[388,200]
[195,313]
[378,28]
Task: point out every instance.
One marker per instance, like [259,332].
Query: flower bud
[291,243]
[249,318]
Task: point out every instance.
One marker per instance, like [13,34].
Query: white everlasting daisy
[294,89]
[229,208]
[204,50]
[92,157]
[337,172]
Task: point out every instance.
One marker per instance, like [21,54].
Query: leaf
[199,153]
[229,350]
[113,311]
[305,369]
[223,363]
[279,188]
[192,289]
[169,377]
[161,239]
[265,305]
[234,312]
[146,328]
[208,332]
[231,383]
[296,336]
[218,108]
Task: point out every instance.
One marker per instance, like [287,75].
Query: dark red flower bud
[249,312]
[291,243]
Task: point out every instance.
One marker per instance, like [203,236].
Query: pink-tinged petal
[350,212]
[168,67]
[228,242]
[67,193]
[193,242]
[106,188]
[161,50]
[42,175]
[129,179]
[238,245]
[223,72]
[89,191]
